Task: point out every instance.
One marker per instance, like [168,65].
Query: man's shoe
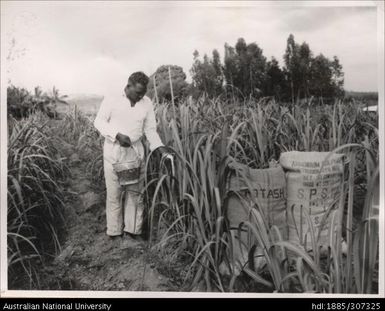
[136,237]
[115,237]
[128,241]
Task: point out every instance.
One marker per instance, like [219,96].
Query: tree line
[21,102]
[245,72]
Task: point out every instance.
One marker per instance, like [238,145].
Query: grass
[187,205]
[35,198]
[78,130]
[207,136]
[37,171]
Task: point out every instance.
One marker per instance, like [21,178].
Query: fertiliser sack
[255,192]
[313,190]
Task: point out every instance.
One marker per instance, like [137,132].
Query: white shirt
[117,116]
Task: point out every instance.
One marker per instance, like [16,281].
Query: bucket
[128,172]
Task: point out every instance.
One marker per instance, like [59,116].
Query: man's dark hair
[139,77]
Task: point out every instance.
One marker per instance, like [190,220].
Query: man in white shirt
[123,121]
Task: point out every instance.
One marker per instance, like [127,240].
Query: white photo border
[4,292]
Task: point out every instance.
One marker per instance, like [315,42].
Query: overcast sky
[89,47]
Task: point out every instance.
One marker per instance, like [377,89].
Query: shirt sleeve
[103,123]
[150,128]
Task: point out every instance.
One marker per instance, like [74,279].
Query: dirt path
[89,260]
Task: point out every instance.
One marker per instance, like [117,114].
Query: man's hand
[163,151]
[123,140]
[167,158]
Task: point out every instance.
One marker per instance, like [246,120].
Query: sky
[92,47]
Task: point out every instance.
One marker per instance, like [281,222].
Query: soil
[89,259]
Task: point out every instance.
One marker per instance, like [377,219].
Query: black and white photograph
[192,147]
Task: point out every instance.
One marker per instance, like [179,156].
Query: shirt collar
[124,96]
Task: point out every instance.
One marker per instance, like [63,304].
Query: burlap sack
[268,189]
[313,187]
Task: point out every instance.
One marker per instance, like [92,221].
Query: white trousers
[124,204]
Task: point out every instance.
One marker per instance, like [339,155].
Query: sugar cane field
[208,220]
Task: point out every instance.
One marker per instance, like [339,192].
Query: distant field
[88,104]
[367,98]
